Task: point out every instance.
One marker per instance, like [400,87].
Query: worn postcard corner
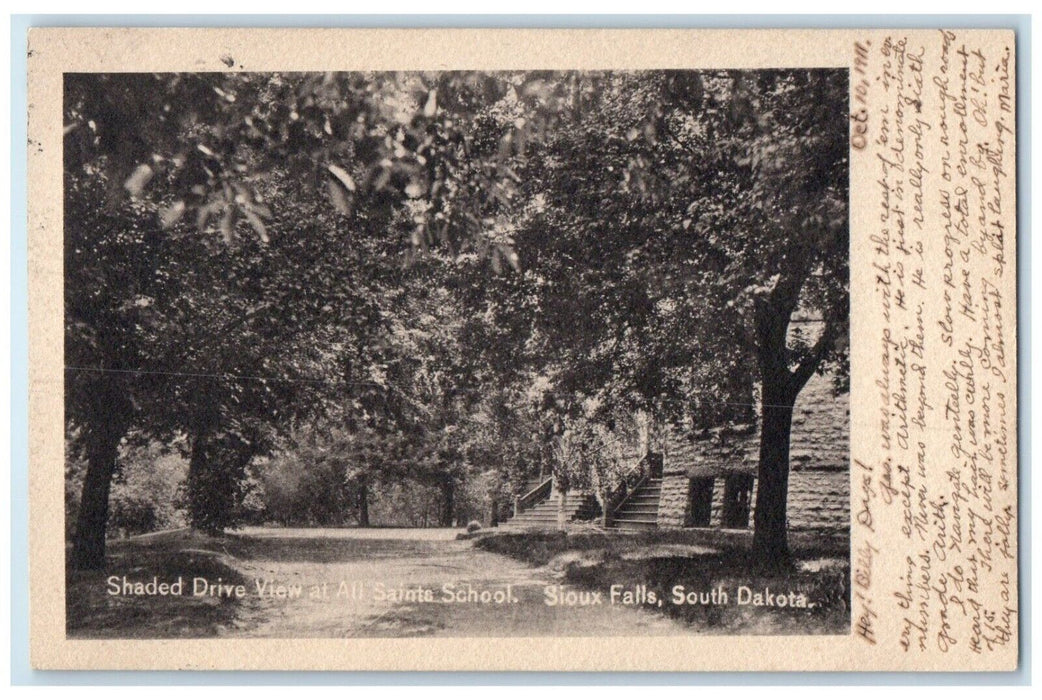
[523,349]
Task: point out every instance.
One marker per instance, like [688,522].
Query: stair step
[640,510]
[636,524]
[545,513]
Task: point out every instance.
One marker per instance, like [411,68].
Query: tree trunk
[216,461]
[780,385]
[88,551]
[215,472]
[770,538]
[201,493]
[448,502]
[112,411]
[363,505]
[777,394]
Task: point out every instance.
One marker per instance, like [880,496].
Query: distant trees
[324,476]
[441,278]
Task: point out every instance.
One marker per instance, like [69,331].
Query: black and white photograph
[457,353]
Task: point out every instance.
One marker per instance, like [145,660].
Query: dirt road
[395,582]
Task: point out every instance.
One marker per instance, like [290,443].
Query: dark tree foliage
[444,278]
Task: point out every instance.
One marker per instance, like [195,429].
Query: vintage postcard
[523,349]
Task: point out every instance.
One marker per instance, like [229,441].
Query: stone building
[697,468]
[708,478]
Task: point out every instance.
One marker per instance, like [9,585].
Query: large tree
[677,223]
[174,334]
[236,242]
[786,245]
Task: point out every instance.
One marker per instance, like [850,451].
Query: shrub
[473,526]
[75,469]
[144,493]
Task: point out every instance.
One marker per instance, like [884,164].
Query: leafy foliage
[330,285]
[147,491]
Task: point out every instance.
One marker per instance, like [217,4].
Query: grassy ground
[583,559]
[92,612]
[235,558]
[429,558]
[701,560]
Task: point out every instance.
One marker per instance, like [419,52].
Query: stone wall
[716,519]
[820,438]
[818,499]
[819,488]
[819,459]
[674,505]
[820,428]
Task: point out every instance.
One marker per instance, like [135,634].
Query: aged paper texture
[523,349]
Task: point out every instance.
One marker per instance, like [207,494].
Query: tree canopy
[445,277]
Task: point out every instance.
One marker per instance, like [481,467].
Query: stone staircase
[640,509]
[578,506]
